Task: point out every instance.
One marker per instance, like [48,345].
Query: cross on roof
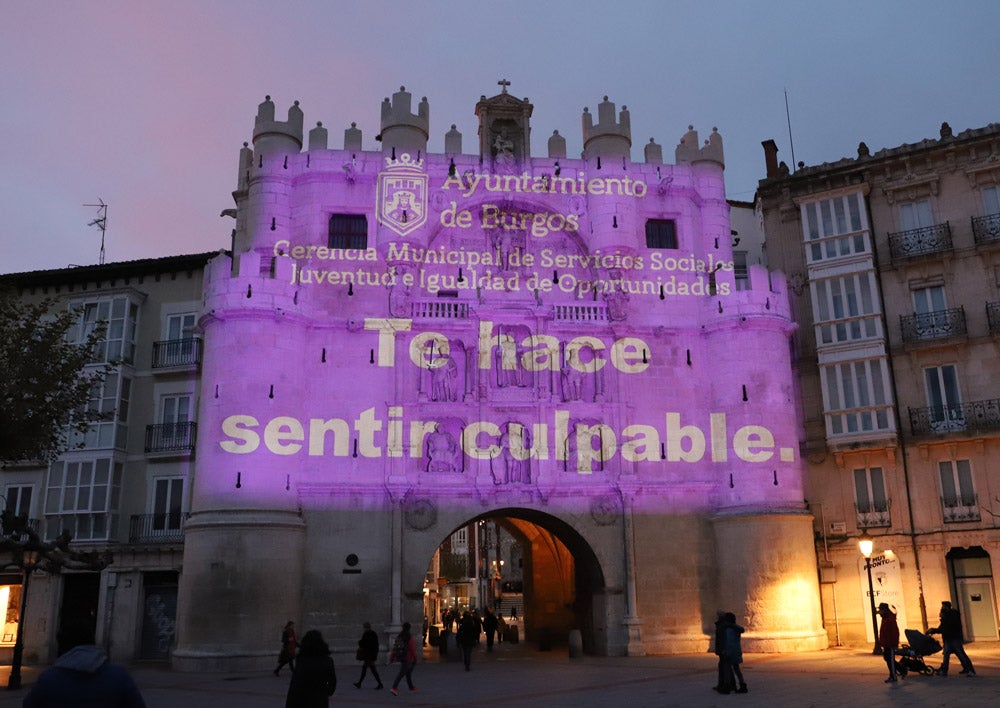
[504,83]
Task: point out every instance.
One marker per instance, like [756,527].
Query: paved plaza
[520,676]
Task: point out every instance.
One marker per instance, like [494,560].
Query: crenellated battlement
[402,130]
[272,136]
[609,137]
[688,150]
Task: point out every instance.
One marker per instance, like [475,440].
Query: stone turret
[609,138]
[318,137]
[275,137]
[352,137]
[688,151]
[403,131]
[557,145]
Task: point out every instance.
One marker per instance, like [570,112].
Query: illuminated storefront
[403,343]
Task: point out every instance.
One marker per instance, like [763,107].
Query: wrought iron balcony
[986,229]
[957,510]
[156,528]
[920,242]
[170,437]
[942,324]
[978,415]
[993,316]
[177,352]
[874,515]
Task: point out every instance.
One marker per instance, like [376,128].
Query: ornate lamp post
[866,545]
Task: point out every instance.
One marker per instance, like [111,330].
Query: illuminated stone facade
[404,342]
[892,261]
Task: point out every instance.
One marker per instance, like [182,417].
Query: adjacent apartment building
[893,263]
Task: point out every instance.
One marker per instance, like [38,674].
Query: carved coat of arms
[402,195]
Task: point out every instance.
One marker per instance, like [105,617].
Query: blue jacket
[84,678]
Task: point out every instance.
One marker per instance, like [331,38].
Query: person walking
[490,625]
[468,634]
[950,629]
[405,652]
[289,647]
[368,653]
[888,639]
[83,676]
[315,678]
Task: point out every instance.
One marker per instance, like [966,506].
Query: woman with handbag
[368,653]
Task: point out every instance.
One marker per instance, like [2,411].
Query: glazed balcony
[986,229]
[920,242]
[926,326]
[176,352]
[874,514]
[960,509]
[939,420]
[156,528]
[171,437]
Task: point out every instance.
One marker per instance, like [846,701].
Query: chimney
[770,157]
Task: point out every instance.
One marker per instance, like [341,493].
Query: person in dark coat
[467,637]
[490,624]
[289,646]
[888,639]
[734,652]
[368,653]
[83,677]
[721,685]
[315,678]
[950,629]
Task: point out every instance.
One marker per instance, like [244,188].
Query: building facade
[124,487]
[893,264]
[402,346]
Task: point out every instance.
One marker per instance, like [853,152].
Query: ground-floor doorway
[972,578]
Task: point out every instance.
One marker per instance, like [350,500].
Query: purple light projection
[506,329]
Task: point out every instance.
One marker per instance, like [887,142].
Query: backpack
[399,648]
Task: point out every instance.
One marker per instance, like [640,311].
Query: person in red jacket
[888,639]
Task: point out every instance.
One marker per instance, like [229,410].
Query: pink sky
[145,104]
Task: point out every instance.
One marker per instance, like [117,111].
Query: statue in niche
[503,150]
[399,295]
[572,382]
[506,242]
[617,298]
[509,372]
[441,449]
[443,379]
[510,469]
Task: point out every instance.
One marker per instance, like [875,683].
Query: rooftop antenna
[788,117]
[101,222]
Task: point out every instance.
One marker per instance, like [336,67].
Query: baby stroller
[911,656]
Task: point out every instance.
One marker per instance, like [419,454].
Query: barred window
[348,231]
[661,233]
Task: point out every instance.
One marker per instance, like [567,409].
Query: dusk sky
[146,104]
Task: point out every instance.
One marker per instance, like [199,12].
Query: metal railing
[986,229]
[993,316]
[938,420]
[156,528]
[873,515]
[920,242]
[171,437]
[957,510]
[941,324]
[177,352]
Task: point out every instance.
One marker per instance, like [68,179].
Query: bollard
[575,644]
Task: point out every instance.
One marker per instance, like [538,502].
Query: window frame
[352,238]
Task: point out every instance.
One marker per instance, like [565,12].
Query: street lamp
[866,545]
[29,561]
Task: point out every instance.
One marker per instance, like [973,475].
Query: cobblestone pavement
[520,676]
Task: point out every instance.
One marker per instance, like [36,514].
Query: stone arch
[563,580]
